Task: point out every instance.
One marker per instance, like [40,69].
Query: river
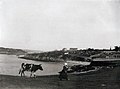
[10,65]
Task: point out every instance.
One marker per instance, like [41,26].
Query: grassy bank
[103,79]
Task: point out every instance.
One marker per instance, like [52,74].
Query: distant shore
[62,55]
[103,79]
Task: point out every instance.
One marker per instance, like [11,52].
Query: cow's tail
[20,71]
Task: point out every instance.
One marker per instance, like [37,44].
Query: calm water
[10,65]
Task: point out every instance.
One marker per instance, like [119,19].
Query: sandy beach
[102,79]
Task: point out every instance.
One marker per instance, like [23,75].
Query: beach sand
[103,79]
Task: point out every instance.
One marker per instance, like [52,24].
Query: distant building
[73,49]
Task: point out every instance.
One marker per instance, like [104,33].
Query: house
[73,49]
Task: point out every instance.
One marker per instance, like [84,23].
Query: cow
[31,68]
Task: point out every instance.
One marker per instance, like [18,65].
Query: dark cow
[31,68]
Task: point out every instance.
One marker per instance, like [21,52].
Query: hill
[53,56]
[11,51]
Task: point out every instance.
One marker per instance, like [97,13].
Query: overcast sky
[56,24]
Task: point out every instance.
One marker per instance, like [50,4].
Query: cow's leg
[19,71]
[34,74]
[31,74]
[22,73]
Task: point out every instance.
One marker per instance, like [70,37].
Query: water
[10,65]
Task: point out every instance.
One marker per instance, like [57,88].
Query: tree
[117,48]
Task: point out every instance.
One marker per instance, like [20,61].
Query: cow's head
[40,67]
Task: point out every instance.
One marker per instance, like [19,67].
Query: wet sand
[103,79]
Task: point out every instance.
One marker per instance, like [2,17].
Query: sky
[56,24]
